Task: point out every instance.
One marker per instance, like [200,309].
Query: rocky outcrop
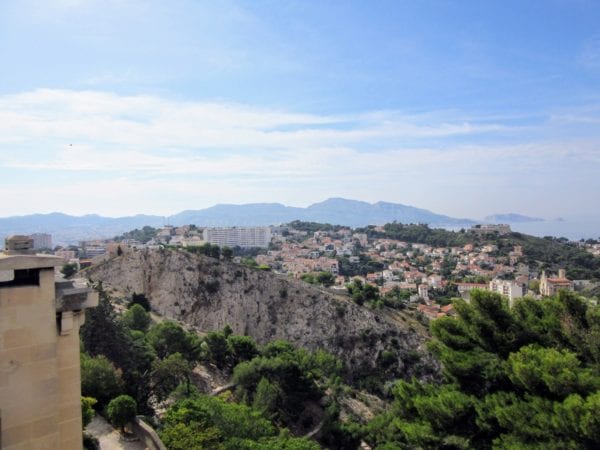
[208,294]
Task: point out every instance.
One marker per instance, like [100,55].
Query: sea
[570,229]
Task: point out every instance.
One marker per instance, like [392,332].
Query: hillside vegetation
[128,359]
[527,377]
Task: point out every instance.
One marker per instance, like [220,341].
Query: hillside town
[415,275]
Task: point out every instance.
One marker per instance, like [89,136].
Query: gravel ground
[109,438]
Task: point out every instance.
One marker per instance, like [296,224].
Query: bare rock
[208,294]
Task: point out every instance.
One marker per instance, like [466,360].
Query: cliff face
[207,294]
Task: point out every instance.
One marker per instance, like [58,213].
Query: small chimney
[18,245]
[562,274]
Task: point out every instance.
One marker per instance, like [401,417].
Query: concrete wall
[69,386]
[40,384]
[147,434]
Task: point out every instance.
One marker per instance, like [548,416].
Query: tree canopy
[121,411]
[100,379]
[211,422]
[526,377]
[136,318]
[168,337]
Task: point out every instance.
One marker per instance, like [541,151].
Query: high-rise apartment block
[41,240]
[238,236]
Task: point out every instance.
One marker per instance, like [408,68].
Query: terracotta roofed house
[551,286]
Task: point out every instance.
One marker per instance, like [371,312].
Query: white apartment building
[508,288]
[41,240]
[238,236]
[92,249]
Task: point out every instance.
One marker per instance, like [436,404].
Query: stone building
[550,286]
[40,381]
[500,229]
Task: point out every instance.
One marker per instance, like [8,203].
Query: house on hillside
[464,289]
[509,288]
[551,286]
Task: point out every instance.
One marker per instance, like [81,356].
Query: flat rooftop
[20,262]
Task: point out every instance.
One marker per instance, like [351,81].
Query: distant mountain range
[337,211]
[66,229]
[70,229]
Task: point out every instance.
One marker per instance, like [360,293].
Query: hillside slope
[207,294]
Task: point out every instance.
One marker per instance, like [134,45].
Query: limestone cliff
[207,294]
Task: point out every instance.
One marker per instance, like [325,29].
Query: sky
[465,108]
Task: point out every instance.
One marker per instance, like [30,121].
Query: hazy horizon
[574,228]
[145,213]
[144,107]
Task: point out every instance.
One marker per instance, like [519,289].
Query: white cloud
[101,152]
[154,122]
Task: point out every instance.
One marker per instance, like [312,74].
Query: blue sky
[466,108]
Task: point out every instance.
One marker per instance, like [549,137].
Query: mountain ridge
[339,211]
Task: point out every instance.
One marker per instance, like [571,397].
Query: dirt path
[109,438]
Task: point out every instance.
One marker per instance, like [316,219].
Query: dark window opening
[23,277]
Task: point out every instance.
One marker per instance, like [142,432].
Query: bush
[87,410]
[218,351]
[169,337]
[325,278]
[169,373]
[136,318]
[69,269]
[121,411]
[308,278]
[213,420]
[388,358]
[243,348]
[100,379]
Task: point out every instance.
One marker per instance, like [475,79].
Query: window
[23,277]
